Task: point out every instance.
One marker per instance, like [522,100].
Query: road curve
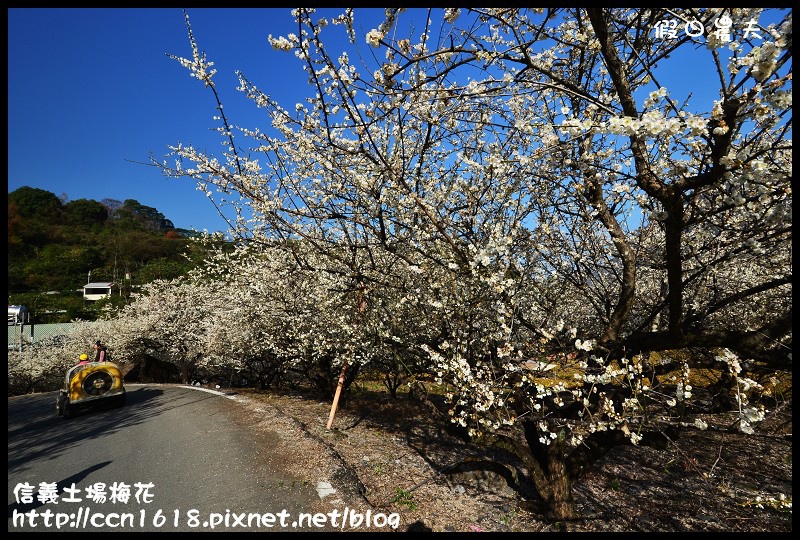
[184,453]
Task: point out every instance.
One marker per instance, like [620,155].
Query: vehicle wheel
[69,412]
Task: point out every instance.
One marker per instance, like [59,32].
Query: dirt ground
[389,456]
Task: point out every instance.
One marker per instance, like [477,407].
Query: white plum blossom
[436,210]
[374,37]
[451,14]
[281,43]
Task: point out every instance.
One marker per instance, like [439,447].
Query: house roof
[99,285]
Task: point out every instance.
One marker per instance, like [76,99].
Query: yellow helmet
[84,357]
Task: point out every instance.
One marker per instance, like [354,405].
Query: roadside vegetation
[56,246]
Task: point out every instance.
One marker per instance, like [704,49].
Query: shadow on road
[35,431]
[66,482]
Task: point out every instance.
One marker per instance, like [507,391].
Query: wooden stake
[361,302]
[336,396]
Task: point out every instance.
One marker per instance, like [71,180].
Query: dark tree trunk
[563,504]
[673,229]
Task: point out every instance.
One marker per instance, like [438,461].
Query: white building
[98,290]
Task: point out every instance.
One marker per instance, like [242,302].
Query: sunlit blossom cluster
[505,231]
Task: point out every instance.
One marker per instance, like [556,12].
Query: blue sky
[92,93]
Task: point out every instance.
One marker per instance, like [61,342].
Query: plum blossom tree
[284,318]
[43,363]
[278,318]
[170,321]
[517,193]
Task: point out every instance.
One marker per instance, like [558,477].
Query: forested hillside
[56,246]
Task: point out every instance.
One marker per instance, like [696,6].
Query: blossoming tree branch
[516,204]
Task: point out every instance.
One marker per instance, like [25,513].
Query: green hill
[55,247]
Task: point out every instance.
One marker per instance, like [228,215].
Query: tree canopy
[514,203]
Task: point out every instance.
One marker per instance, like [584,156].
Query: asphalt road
[189,466]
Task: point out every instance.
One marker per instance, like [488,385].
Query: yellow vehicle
[91,384]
